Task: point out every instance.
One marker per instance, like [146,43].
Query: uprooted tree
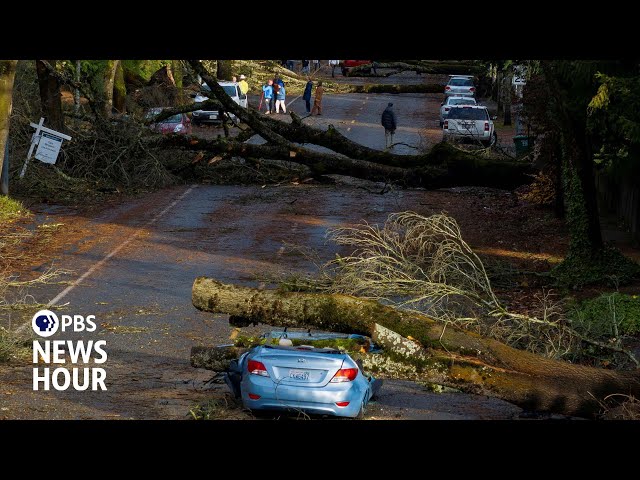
[421,292]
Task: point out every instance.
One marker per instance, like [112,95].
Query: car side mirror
[193,95]
[442,104]
[495,117]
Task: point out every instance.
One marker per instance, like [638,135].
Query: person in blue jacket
[280,100]
[267,90]
[306,96]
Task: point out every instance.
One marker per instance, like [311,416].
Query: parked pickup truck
[470,123]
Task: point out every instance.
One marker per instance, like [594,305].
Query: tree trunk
[119,90]
[224,68]
[50,97]
[178,73]
[7,75]
[500,83]
[507,98]
[109,80]
[463,359]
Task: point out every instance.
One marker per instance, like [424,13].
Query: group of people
[275,95]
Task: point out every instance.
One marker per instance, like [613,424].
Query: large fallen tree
[448,355]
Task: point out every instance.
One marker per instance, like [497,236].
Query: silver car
[460,85]
[314,380]
[469,122]
[451,101]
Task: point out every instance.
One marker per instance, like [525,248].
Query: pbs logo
[45,323]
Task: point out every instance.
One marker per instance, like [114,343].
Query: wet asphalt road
[143,256]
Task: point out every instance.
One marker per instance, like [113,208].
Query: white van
[211,116]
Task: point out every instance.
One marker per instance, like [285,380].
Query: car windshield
[461,113]
[462,101]
[230,90]
[461,82]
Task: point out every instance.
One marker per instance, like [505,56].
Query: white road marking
[97,265]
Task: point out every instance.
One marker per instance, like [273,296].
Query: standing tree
[572,86]
[50,96]
[7,75]
[224,68]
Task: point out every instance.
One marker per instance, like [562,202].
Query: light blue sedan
[314,380]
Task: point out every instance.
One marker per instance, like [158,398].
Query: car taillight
[447,87]
[446,124]
[486,126]
[345,375]
[253,396]
[446,109]
[257,368]
[472,89]
[342,404]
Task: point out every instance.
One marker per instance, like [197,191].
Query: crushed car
[287,372]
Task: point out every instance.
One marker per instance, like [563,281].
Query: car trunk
[301,367]
[466,127]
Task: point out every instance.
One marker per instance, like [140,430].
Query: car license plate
[302,375]
[213,117]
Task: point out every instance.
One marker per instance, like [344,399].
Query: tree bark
[109,81]
[464,359]
[119,90]
[223,71]
[50,96]
[7,75]
[507,97]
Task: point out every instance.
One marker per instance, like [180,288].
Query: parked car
[460,85]
[451,101]
[469,122]
[179,123]
[315,380]
[211,116]
[347,65]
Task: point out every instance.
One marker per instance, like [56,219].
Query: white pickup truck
[471,123]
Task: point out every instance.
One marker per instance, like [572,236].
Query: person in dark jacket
[388,121]
[306,96]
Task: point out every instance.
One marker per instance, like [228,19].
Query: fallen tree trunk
[420,67]
[442,167]
[469,361]
[382,88]
[459,169]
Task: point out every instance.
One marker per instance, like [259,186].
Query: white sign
[48,148]
[48,141]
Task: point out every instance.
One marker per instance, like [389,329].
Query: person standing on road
[280,100]
[275,85]
[268,95]
[388,121]
[244,87]
[305,66]
[317,102]
[316,65]
[334,64]
[306,96]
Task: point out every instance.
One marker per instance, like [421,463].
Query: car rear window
[174,119]
[462,101]
[461,113]
[461,82]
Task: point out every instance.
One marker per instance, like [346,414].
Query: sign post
[49,142]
